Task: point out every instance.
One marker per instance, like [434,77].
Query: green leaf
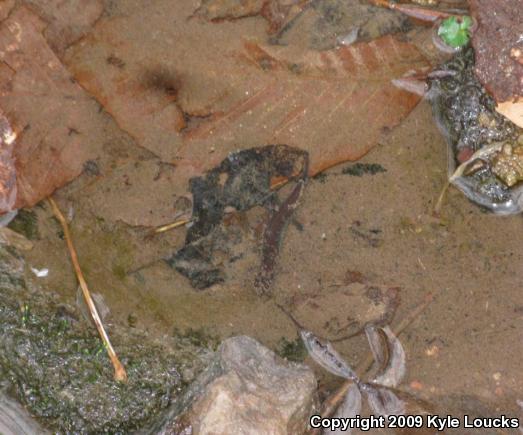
[455,32]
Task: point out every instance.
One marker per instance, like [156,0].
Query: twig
[420,13]
[119,370]
[439,203]
[332,402]
[171,226]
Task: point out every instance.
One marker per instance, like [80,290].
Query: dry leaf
[56,122]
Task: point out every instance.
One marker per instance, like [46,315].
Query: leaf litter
[381,399]
[244,93]
[54,119]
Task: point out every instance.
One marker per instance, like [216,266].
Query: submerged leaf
[396,366]
[383,401]
[325,355]
[350,408]
[58,124]
[375,339]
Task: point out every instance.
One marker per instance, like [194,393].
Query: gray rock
[246,390]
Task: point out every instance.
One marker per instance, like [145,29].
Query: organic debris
[279,14]
[7,165]
[333,402]
[508,164]
[418,12]
[52,144]
[324,23]
[66,22]
[360,169]
[243,180]
[119,370]
[246,93]
[326,94]
[381,399]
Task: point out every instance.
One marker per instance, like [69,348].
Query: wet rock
[248,389]
[57,368]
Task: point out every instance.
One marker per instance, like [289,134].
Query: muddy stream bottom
[361,233]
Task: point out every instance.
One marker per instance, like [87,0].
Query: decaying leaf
[66,21]
[350,408]
[245,94]
[56,122]
[383,401]
[396,367]
[315,101]
[326,356]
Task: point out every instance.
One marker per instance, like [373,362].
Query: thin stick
[332,402]
[171,226]
[420,13]
[119,370]
[439,203]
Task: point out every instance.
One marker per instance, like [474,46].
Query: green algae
[291,350]
[360,169]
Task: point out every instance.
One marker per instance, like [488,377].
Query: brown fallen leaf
[317,101]
[5,8]
[56,122]
[222,93]
[66,21]
[140,93]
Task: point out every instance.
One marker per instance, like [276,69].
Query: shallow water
[463,353]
